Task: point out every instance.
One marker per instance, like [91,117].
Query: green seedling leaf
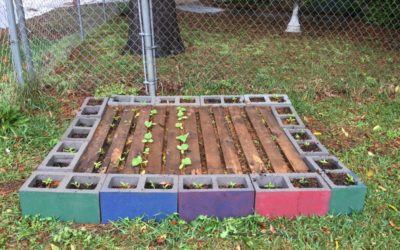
[179,125]
[148,138]
[180,113]
[146,151]
[185,162]
[137,161]
[149,124]
[48,182]
[183,148]
[181,109]
[153,112]
[97,165]
[183,138]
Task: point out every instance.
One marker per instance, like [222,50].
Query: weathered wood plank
[173,158]
[86,163]
[154,165]
[227,144]
[274,155]
[193,142]
[254,160]
[286,146]
[213,158]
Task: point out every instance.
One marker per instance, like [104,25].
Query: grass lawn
[347,94]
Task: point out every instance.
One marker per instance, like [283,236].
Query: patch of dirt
[385,148]
[8,188]
[341,179]
[306,183]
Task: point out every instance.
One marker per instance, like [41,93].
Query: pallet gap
[201,144]
[165,141]
[214,125]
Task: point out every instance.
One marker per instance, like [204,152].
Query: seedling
[165,185]
[185,162]
[148,138]
[121,159]
[197,185]
[112,125]
[146,151]
[48,182]
[152,185]
[149,124]
[101,151]
[182,138]
[97,165]
[231,184]
[324,161]
[291,119]
[350,179]
[70,150]
[269,185]
[153,112]
[88,184]
[181,109]
[180,113]
[183,148]
[137,161]
[124,184]
[307,143]
[76,184]
[179,125]
[303,181]
[116,118]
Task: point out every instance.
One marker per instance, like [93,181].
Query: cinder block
[188,100]
[219,200]
[321,164]
[309,147]
[80,133]
[70,147]
[93,107]
[300,134]
[278,99]
[61,162]
[166,100]
[259,99]
[64,203]
[211,100]
[345,199]
[290,121]
[142,201]
[286,200]
[283,109]
[233,100]
[120,100]
[143,100]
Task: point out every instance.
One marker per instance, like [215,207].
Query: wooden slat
[86,163]
[193,142]
[274,155]
[154,165]
[249,149]
[112,159]
[286,146]
[173,158]
[227,144]
[213,158]
[137,145]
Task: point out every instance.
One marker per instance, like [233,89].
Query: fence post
[12,29]
[25,39]
[104,11]
[147,34]
[81,30]
[294,24]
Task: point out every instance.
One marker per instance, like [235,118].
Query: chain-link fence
[87,42]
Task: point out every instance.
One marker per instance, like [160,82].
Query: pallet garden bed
[152,157]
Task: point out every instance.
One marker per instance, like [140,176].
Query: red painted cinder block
[287,201]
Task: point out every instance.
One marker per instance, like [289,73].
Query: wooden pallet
[221,140]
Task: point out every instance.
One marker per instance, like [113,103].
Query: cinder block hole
[79,133]
[60,161]
[290,120]
[159,183]
[342,179]
[46,181]
[85,122]
[328,164]
[197,183]
[83,182]
[257,99]
[187,99]
[277,98]
[309,146]
[120,182]
[121,99]
[69,147]
[271,182]
[167,100]
[284,110]
[141,99]
[91,110]
[300,135]
[233,99]
[95,102]
[305,182]
[232,182]
[212,100]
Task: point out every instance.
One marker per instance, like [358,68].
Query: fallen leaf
[392,224]
[370,153]
[397,89]
[326,230]
[161,239]
[238,247]
[173,222]
[317,133]
[376,128]
[336,244]
[345,132]
[272,229]
[370,173]
[4,78]
[382,188]
[393,208]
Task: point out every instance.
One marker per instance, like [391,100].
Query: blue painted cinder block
[136,199]
[218,199]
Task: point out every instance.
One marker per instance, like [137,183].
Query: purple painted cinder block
[217,201]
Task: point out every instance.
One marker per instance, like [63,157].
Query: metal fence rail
[82,42]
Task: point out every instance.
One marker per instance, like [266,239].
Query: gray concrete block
[143,100]
[120,100]
[59,162]
[233,100]
[315,147]
[29,184]
[93,107]
[284,119]
[321,164]
[257,99]
[300,134]
[211,100]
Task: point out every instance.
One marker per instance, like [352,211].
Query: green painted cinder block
[346,199]
[81,206]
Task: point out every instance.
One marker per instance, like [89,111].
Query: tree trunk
[167,37]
